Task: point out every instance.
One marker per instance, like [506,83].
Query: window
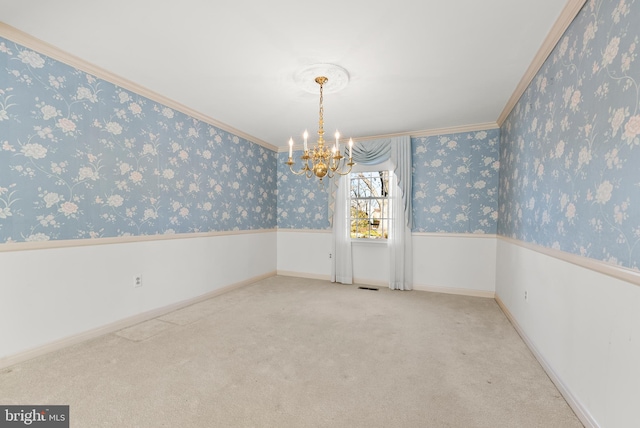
[369,214]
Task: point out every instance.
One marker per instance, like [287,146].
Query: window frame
[373,171]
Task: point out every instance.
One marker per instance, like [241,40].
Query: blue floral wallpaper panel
[83,158]
[302,202]
[455,182]
[570,149]
[455,186]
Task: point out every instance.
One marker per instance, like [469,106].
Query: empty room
[337,214]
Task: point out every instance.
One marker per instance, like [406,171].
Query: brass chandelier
[320,160]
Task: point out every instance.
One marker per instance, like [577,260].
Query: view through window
[369,201]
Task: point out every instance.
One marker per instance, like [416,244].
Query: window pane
[369,213]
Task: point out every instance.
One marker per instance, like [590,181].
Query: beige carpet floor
[290,352]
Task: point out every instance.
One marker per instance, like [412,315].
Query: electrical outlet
[526,295]
[330,255]
[137,281]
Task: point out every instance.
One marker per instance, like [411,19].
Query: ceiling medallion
[337,78]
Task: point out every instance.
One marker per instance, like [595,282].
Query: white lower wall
[454,263]
[450,263]
[584,326]
[304,253]
[308,254]
[370,263]
[48,295]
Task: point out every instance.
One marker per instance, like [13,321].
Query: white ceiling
[414,65]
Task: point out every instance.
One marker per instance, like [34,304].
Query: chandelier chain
[321,120]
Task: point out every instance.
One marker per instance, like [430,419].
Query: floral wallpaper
[455,182]
[83,158]
[570,150]
[302,202]
[455,187]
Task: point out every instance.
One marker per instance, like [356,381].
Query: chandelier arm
[302,171]
[350,165]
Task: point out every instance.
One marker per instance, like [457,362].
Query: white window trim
[369,241]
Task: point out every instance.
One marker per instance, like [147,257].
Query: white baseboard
[452,290]
[581,412]
[371,282]
[417,287]
[304,275]
[120,324]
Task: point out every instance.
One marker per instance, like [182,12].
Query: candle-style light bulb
[290,147]
[335,148]
[305,136]
[350,148]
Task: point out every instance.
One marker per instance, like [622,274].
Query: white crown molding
[568,14]
[66,243]
[51,51]
[453,130]
[619,272]
[424,133]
